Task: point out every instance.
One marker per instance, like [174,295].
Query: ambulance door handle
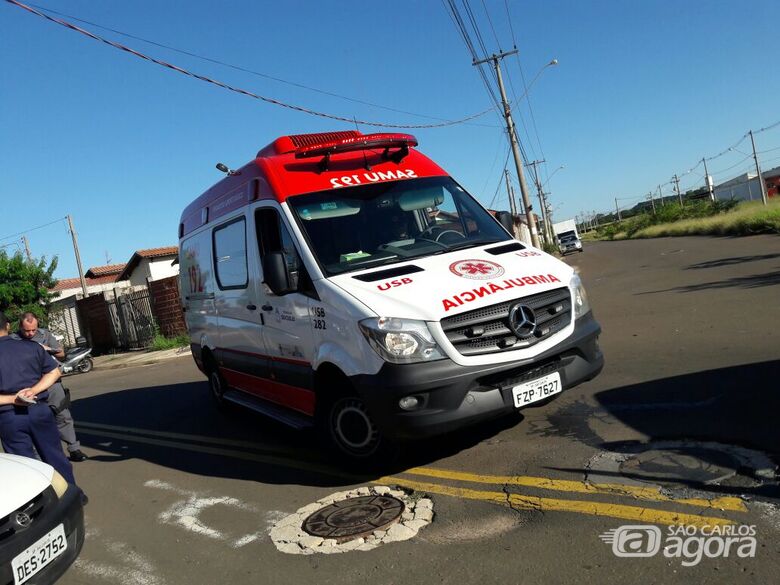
[251,307]
[267,308]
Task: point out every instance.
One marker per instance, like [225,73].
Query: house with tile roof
[98,279]
[151,264]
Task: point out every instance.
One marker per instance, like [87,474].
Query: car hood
[23,479]
[439,286]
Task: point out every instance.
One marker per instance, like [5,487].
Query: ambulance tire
[217,384]
[353,435]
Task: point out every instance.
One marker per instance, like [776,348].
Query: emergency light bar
[364,142]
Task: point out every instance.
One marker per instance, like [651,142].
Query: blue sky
[643,90]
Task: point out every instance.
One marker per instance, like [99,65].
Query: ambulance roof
[308,163]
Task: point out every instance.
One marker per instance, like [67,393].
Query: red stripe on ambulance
[493,287]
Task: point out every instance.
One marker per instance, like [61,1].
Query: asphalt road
[181,493]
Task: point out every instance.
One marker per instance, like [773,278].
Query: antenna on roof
[229,172]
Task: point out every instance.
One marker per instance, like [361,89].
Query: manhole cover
[354,517]
[693,465]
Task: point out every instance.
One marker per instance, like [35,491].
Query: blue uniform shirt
[22,365]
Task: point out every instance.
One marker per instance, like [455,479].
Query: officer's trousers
[27,429]
[64,418]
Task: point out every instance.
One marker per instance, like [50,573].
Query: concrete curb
[144,358]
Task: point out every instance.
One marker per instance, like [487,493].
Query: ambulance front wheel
[217,386]
[354,433]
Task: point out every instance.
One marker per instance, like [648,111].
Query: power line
[500,179]
[266,99]
[31,229]
[235,67]
[490,22]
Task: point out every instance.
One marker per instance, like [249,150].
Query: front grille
[487,330]
[34,509]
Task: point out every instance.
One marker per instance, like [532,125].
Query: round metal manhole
[354,517]
[672,467]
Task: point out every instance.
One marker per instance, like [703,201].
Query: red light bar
[363,142]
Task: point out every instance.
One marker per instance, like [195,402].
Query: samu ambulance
[346,279]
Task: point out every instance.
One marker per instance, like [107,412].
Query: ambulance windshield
[384,223]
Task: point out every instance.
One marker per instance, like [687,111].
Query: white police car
[41,522]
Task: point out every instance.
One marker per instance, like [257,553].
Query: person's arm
[7,399]
[51,344]
[43,384]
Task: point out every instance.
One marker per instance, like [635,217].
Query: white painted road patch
[289,537]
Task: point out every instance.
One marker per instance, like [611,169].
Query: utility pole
[661,196]
[676,181]
[26,243]
[510,128]
[652,202]
[78,256]
[764,196]
[618,210]
[542,202]
[707,181]
[548,209]
[512,207]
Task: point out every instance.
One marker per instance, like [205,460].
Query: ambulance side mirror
[277,276]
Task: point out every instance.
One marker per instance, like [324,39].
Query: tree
[25,284]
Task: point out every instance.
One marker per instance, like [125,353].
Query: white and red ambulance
[346,279]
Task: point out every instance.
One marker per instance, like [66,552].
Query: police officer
[27,423]
[58,401]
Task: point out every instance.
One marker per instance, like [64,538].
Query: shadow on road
[735,406]
[753,281]
[732,261]
[178,426]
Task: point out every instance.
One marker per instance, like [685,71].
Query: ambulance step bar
[283,415]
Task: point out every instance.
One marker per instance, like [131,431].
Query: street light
[553,173]
[528,88]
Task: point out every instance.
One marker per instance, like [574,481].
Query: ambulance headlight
[400,341]
[579,297]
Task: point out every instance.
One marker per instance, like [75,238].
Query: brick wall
[93,311]
[166,306]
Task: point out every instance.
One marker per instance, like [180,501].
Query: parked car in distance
[41,522]
[569,243]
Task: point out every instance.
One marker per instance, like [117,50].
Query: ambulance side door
[241,354]
[287,325]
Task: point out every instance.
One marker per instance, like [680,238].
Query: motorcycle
[77,360]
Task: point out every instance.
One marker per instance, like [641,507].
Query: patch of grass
[698,218]
[748,218]
[161,342]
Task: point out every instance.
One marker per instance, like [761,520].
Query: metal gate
[132,319]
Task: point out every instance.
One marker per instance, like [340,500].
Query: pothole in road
[360,519]
[691,465]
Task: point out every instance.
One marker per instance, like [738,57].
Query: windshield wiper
[468,244]
[358,265]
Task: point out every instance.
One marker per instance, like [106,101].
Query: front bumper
[455,396]
[67,511]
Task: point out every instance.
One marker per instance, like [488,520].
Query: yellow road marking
[518,501]
[565,485]
[524,502]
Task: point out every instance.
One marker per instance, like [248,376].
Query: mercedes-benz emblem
[522,321]
[22,520]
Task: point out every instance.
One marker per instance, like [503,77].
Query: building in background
[151,264]
[747,188]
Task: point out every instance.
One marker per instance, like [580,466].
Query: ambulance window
[230,255]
